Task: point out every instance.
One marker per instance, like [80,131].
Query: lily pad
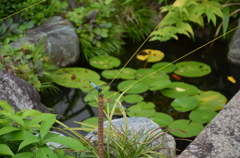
[74,77]
[142,109]
[133,98]
[159,84]
[137,87]
[192,69]
[179,89]
[184,104]
[162,119]
[191,128]
[164,66]
[91,121]
[150,55]
[202,116]
[126,73]
[210,100]
[117,110]
[109,96]
[104,62]
[110,74]
[148,76]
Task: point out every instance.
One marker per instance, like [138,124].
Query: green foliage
[26,134]
[98,35]
[184,12]
[28,63]
[14,27]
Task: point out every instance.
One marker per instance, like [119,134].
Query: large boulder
[220,139]
[18,93]
[62,41]
[142,126]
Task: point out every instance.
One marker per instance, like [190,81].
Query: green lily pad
[142,109]
[73,77]
[210,100]
[192,69]
[191,128]
[159,84]
[162,119]
[184,104]
[164,66]
[133,98]
[148,76]
[150,55]
[137,87]
[91,98]
[179,89]
[110,74]
[126,73]
[202,116]
[104,62]
[91,121]
[117,110]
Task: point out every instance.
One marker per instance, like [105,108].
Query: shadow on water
[69,103]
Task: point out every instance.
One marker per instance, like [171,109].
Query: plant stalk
[100,126]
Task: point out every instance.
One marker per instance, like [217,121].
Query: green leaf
[5,130]
[134,98]
[179,89]
[27,141]
[46,125]
[162,119]
[45,152]
[25,155]
[136,87]
[192,69]
[189,128]
[42,117]
[164,66]
[5,150]
[142,109]
[184,104]
[67,141]
[19,135]
[5,106]
[104,62]
[202,116]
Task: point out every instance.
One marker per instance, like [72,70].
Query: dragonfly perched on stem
[100,121]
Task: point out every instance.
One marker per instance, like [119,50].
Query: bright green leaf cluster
[26,134]
[28,63]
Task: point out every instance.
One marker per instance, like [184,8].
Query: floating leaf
[126,73]
[136,87]
[179,89]
[202,116]
[162,119]
[91,121]
[148,76]
[142,109]
[164,66]
[184,104]
[192,69]
[133,98]
[159,84]
[150,55]
[231,79]
[104,62]
[110,74]
[210,100]
[73,77]
[191,128]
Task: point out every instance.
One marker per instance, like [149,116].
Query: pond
[69,104]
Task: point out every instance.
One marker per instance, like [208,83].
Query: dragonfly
[96,87]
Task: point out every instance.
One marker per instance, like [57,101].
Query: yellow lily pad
[150,55]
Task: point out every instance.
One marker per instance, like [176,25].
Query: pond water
[70,107]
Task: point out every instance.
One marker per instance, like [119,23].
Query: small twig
[100,126]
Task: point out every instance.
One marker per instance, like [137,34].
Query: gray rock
[142,125]
[221,138]
[19,94]
[62,41]
[234,47]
